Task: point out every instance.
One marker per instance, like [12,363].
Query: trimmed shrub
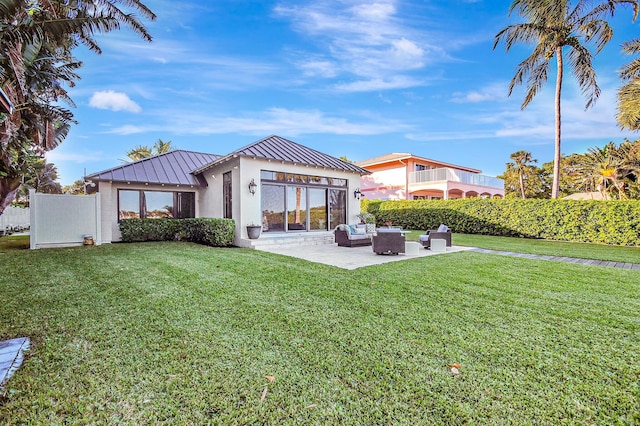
[134,230]
[209,231]
[606,222]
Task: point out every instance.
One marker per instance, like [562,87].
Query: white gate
[63,220]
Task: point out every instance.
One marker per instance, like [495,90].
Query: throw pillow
[443,228]
[360,231]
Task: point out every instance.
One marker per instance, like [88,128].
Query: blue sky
[346,77]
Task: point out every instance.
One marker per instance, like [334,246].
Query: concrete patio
[352,257]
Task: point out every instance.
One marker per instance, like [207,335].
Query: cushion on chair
[443,228]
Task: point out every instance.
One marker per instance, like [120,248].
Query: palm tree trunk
[522,185]
[556,158]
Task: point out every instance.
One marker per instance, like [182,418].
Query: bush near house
[604,222]
[208,231]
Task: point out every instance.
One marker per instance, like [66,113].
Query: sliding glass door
[294,203]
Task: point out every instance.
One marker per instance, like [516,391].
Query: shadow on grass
[14,242]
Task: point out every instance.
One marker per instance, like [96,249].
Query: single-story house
[284,187]
[404,176]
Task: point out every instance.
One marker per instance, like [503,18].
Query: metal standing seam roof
[280,149]
[174,168]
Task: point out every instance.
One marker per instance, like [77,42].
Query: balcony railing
[434,175]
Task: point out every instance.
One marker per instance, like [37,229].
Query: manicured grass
[177,333]
[545,247]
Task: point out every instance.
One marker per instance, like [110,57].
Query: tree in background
[551,27]
[628,115]
[76,188]
[36,62]
[521,160]
[524,180]
[145,151]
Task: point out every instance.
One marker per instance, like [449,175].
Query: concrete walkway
[592,262]
[352,257]
[358,257]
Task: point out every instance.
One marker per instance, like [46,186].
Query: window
[295,202]
[226,195]
[155,204]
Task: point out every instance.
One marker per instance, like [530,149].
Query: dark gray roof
[277,148]
[173,167]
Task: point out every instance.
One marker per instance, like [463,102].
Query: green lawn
[177,333]
[545,247]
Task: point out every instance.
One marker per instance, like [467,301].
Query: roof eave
[226,158]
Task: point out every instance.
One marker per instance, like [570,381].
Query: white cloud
[114,101]
[368,40]
[399,82]
[272,120]
[318,68]
[492,92]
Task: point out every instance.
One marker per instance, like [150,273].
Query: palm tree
[145,151]
[604,170]
[36,62]
[629,94]
[552,26]
[521,160]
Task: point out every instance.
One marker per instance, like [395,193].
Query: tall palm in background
[551,26]
[521,160]
[629,94]
[145,151]
[37,39]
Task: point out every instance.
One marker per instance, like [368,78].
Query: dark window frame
[177,208]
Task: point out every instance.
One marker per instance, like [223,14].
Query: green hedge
[208,231]
[606,222]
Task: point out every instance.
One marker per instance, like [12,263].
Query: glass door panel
[273,212]
[296,208]
[337,207]
[318,209]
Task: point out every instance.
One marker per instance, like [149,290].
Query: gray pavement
[353,257]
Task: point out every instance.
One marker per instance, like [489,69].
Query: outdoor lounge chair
[352,236]
[443,232]
[388,241]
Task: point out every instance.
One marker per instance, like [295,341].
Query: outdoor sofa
[388,241]
[352,235]
[442,233]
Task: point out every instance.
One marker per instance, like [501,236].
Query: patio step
[267,241]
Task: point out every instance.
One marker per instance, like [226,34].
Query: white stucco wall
[109,204]
[247,208]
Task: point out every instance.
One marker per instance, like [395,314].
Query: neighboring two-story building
[404,176]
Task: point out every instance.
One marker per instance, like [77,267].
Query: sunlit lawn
[185,334]
[544,247]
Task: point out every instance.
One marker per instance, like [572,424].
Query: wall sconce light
[252,187]
[357,194]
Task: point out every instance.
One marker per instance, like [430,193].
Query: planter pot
[253,232]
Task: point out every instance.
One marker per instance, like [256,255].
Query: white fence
[63,220]
[14,219]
